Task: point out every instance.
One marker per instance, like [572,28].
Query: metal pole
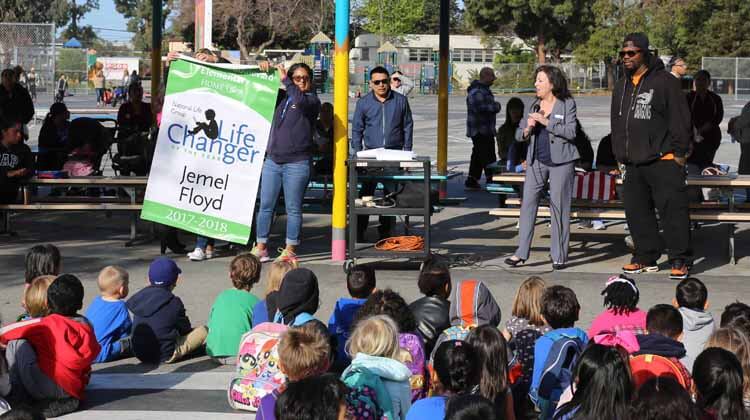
[155,48]
[736,78]
[340,130]
[442,135]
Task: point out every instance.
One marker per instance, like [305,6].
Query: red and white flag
[595,186]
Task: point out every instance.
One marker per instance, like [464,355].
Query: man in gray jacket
[382,119]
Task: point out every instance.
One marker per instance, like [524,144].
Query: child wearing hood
[374,347]
[691,299]
[298,298]
[664,326]
[161,329]
[265,310]
[49,358]
[472,305]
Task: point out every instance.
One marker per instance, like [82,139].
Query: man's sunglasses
[630,53]
[380,82]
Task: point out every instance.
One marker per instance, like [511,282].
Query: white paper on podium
[386,154]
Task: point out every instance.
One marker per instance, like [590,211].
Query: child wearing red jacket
[50,358]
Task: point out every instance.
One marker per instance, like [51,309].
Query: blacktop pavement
[474,241]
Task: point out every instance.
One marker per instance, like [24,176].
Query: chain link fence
[729,75]
[30,45]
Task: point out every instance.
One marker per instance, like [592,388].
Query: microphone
[535,108]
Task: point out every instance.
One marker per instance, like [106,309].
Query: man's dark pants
[658,186]
[386,222]
[482,154]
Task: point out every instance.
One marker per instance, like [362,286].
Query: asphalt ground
[474,241]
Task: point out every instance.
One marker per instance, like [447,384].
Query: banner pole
[340,130]
[156,48]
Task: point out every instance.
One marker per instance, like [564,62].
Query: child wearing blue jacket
[360,281]
[560,308]
[108,313]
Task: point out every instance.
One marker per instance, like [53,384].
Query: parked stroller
[89,141]
[135,151]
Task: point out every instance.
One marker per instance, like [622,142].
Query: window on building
[413,54]
[365,55]
[478,56]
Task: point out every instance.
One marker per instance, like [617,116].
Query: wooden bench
[729,213]
[108,204]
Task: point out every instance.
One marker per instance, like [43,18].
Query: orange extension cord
[401,243]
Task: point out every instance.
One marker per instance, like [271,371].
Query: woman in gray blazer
[551,130]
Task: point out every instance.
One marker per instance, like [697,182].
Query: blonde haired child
[35,297]
[109,316]
[265,310]
[374,346]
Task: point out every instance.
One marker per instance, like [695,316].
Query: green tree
[391,18]
[430,21]
[726,32]
[612,21]
[549,25]
[69,13]
[139,15]
[30,11]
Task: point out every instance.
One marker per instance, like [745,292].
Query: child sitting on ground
[560,309]
[41,260]
[109,315]
[456,372]
[691,299]
[664,326]
[387,302]
[317,397]
[527,309]
[360,282]
[231,315]
[432,312]
[35,298]
[298,298]
[50,358]
[303,352]
[374,347]
[265,310]
[622,314]
[161,329]
[494,377]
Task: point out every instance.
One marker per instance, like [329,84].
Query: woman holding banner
[288,159]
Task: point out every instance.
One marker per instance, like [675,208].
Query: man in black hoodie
[651,136]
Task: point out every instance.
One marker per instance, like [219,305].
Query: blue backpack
[371,394]
[557,373]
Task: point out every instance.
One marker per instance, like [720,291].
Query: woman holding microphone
[551,130]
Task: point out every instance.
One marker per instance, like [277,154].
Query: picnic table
[727,212]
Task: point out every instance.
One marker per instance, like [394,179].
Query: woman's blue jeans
[293,178]
[202,242]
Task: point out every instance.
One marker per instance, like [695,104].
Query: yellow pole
[340,130]
[442,143]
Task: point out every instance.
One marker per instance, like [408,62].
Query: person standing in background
[651,136]
[32,84]
[401,84]
[677,67]
[482,110]
[551,131]
[706,111]
[382,119]
[739,129]
[99,84]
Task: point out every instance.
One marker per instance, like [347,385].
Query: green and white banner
[212,140]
